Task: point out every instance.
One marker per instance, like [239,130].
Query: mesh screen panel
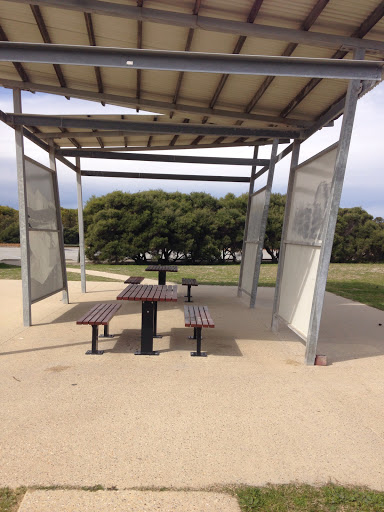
[40,197]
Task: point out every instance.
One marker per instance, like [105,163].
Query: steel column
[147,330]
[81,227]
[263,225]
[23,215]
[331,217]
[250,192]
[52,164]
[280,269]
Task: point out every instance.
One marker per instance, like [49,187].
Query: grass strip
[305,498]
[10,499]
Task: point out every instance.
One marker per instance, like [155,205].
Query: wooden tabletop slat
[149,292]
[158,268]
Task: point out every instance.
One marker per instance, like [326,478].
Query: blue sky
[363,186]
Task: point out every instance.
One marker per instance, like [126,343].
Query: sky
[364,178]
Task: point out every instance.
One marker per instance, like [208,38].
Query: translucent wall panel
[255,215]
[310,198]
[249,266]
[251,239]
[298,285]
[46,271]
[310,202]
[40,196]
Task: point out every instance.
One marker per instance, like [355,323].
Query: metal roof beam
[154,176]
[146,127]
[211,24]
[256,142]
[163,158]
[132,58]
[159,106]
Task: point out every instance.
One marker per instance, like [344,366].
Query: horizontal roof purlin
[132,58]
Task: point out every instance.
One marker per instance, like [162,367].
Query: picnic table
[150,295]
[162,270]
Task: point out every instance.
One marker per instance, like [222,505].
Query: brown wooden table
[162,270]
[150,295]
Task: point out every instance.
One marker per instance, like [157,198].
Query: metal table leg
[155,335]
[162,276]
[188,296]
[147,326]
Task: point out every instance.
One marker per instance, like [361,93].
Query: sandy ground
[251,412]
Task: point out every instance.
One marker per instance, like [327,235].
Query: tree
[358,237]
[9,225]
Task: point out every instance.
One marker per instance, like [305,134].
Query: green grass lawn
[361,282]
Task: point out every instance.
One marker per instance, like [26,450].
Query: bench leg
[147,317]
[188,296]
[198,352]
[95,336]
[106,332]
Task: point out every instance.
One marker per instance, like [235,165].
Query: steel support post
[331,216]
[250,192]
[147,330]
[52,164]
[263,225]
[23,215]
[81,227]
[280,269]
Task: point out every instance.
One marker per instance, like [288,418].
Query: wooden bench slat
[198,316]
[134,280]
[100,314]
[189,281]
[88,313]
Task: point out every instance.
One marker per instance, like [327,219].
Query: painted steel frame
[80,218]
[145,126]
[133,58]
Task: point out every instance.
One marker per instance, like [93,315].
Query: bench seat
[186,281]
[134,280]
[198,317]
[99,314]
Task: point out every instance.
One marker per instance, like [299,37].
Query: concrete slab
[122,501]
[250,412]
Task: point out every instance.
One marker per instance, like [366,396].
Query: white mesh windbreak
[255,215]
[46,271]
[310,201]
[249,266]
[310,198]
[298,285]
[44,244]
[40,197]
[252,238]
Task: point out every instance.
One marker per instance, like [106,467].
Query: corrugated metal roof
[202,90]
